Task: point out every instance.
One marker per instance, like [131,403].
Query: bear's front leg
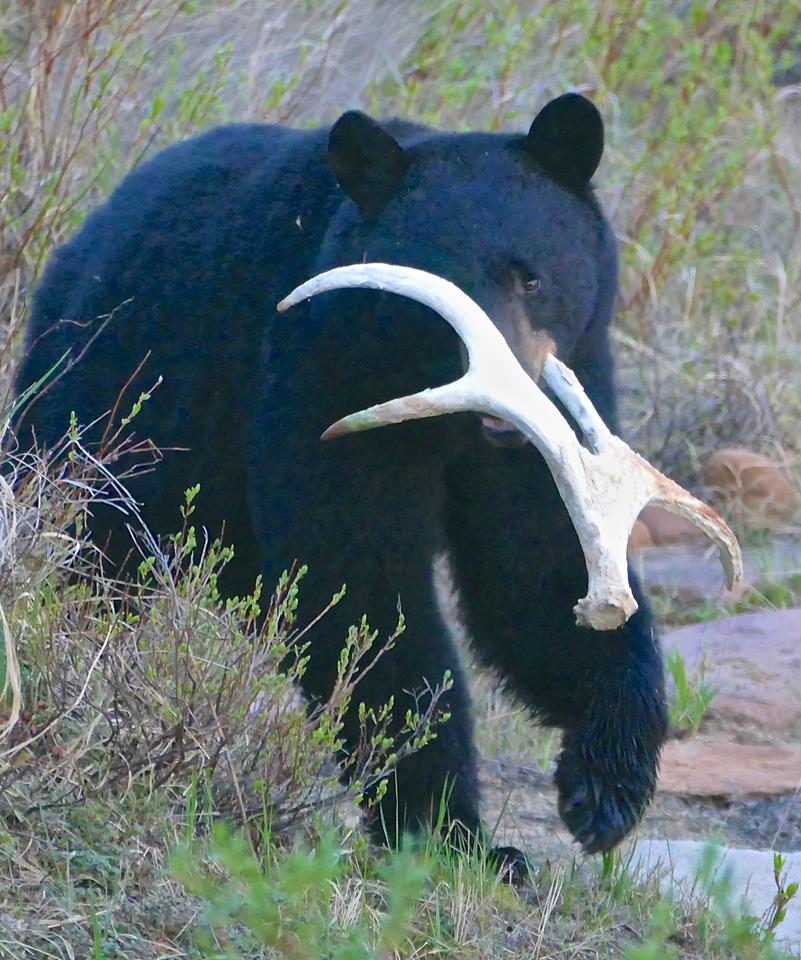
[520,570]
[607,769]
[366,511]
[437,786]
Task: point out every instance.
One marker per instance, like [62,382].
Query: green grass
[111,891]
[691,697]
[333,899]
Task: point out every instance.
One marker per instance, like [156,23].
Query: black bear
[178,276]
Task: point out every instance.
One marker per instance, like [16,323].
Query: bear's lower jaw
[501,433]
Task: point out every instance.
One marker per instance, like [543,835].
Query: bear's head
[510,219]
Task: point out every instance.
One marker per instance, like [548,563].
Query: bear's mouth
[501,433]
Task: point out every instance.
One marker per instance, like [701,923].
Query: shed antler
[604,485]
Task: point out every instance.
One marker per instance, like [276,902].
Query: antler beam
[604,485]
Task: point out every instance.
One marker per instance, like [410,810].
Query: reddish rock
[754,661]
[691,572]
[710,767]
[640,536]
[750,488]
[666,527]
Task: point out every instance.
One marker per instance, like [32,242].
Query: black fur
[194,250]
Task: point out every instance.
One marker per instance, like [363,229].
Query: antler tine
[491,363]
[565,385]
[479,334]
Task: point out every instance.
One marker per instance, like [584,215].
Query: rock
[711,767]
[749,875]
[640,536]
[666,527]
[750,488]
[691,573]
[754,662]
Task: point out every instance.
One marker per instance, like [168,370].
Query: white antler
[604,487]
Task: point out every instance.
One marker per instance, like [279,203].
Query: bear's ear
[567,140]
[366,160]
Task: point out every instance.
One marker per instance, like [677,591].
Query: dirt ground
[521,798]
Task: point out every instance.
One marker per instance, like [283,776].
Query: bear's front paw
[511,864]
[602,794]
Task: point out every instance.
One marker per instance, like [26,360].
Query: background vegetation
[129,720]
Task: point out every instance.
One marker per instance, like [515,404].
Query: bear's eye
[532,285]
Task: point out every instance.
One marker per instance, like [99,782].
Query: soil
[522,800]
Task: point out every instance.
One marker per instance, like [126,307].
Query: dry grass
[701,177]
[701,180]
[134,716]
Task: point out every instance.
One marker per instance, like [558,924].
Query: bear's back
[145,256]
[169,280]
